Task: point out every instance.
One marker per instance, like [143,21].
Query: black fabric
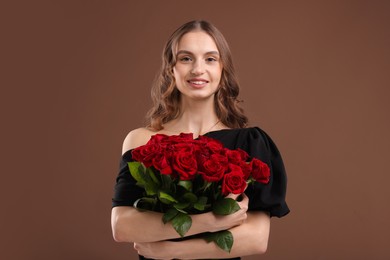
[263,197]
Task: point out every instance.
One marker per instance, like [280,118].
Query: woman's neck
[197,117]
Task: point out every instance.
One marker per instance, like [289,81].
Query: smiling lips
[197,82]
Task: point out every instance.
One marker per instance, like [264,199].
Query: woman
[197,93]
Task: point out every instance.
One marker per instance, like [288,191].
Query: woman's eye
[185,59]
[211,59]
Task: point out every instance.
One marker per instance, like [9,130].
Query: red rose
[233,181]
[246,169]
[205,147]
[146,153]
[158,139]
[161,163]
[244,154]
[212,145]
[214,168]
[236,156]
[181,138]
[260,171]
[184,164]
[187,147]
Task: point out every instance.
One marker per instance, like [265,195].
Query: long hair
[166,97]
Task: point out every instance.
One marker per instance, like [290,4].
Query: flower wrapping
[182,176]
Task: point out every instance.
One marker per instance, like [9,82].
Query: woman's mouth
[197,83]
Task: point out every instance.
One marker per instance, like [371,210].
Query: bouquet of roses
[183,176]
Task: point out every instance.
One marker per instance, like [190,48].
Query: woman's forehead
[196,41]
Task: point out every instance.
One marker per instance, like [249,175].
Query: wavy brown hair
[166,97]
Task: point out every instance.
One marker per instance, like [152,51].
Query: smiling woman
[196,93]
[198,68]
[165,94]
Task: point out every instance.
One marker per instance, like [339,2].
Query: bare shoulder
[136,138]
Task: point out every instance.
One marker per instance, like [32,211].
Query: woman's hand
[132,225]
[154,250]
[237,218]
[250,231]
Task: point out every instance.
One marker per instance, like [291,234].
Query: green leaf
[225,206]
[169,215]
[137,171]
[186,185]
[166,181]
[206,185]
[181,223]
[143,177]
[166,198]
[182,205]
[145,203]
[201,203]
[151,189]
[223,239]
[182,211]
[152,176]
[190,197]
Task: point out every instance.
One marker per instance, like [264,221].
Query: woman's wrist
[206,222]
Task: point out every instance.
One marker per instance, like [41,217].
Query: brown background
[76,79]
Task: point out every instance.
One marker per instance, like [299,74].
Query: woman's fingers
[232,196]
[243,203]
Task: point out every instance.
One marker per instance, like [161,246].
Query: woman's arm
[131,225]
[249,238]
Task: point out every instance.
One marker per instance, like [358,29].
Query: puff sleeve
[267,197]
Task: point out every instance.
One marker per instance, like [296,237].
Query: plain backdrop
[76,78]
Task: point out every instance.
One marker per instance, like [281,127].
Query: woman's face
[198,68]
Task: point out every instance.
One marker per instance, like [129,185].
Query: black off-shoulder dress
[269,197]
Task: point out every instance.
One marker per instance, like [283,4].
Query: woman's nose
[198,68]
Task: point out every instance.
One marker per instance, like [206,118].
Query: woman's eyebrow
[188,52]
